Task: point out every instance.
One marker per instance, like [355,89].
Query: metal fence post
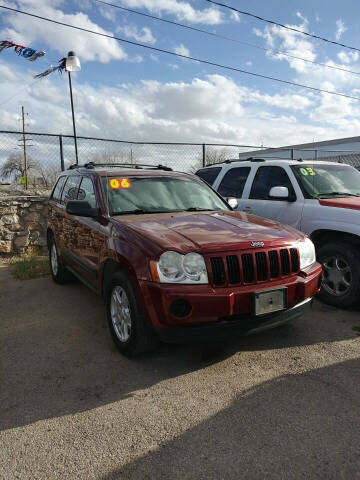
[204,155]
[62,163]
[292,154]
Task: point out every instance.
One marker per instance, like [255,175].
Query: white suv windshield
[159,194]
[324,181]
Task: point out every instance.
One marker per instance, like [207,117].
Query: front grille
[285,261]
[233,269]
[248,267]
[253,267]
[218,270]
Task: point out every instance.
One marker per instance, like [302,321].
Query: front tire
[131,333]
[58,270]
[341,274]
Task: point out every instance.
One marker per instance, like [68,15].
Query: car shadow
[295,426]
[57,357]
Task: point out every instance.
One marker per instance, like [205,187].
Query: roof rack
[255,159]
[92,165]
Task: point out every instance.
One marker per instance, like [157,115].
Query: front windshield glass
[158,194]
[326,181]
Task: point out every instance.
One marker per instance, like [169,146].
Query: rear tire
[130,331]
[341,274]
[58,271]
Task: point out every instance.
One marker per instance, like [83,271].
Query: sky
[131,93]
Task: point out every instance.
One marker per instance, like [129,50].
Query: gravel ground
[280,405]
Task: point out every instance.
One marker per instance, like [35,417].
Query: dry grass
[29,266]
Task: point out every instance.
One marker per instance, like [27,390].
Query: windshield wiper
[341,194]
[137,211]
[197,209]
[140,211]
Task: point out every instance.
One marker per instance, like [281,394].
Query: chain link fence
[48,154]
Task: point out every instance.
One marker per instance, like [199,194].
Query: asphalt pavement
[283,404]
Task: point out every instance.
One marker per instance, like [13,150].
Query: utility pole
[24,145]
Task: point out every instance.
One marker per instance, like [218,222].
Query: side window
[57,189]
[233,183]
[70,189]
[209,174]
[268,177]
[87,191]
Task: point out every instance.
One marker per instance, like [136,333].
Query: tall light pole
[73,65]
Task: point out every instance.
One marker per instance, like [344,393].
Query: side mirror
[280,193]
[233,203]
[81,208]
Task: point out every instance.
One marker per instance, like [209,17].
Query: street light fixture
[72,64]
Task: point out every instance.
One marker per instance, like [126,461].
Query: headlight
[173,267]
[307,253]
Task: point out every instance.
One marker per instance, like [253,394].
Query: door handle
[248,209]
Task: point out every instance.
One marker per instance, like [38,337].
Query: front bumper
[210,305]
[243,325]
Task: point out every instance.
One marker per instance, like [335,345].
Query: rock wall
[22,224]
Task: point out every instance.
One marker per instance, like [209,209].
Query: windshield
[325,181]
[159,195]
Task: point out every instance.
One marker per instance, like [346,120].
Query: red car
[172,259]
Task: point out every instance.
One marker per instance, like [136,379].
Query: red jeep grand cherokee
[172,259]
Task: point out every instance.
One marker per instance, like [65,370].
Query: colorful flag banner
[57,68]
[29,53]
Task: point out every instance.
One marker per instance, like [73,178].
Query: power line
[318,37]
[224,37]
[187,57]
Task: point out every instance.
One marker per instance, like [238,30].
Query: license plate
[269,301]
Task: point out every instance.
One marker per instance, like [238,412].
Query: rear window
[209,174]
[233,183]
[57,189]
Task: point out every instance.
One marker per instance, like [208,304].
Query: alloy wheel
[54,259]
[337,275]
[120,313]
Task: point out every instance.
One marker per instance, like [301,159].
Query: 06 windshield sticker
[307,171]
[119,183]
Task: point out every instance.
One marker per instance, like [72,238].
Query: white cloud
[6,74]
[143,35]
[293,43]
[62,39]
[348,57]
[235,16]
[181,9]
[249,63]
[181,50]
[340,29]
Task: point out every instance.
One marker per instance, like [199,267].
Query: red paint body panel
[207,232]
[353,203]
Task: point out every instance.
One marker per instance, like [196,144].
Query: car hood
[208,231]
[353,203]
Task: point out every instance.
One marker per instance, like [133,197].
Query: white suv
[319,198]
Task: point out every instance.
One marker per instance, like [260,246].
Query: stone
[32,217]
[7,209]
[41,242]
[9,235]
[21,242]
[5,246]
[34,236]
[10,219]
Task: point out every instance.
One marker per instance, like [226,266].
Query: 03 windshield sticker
[119,183]
[307,171]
